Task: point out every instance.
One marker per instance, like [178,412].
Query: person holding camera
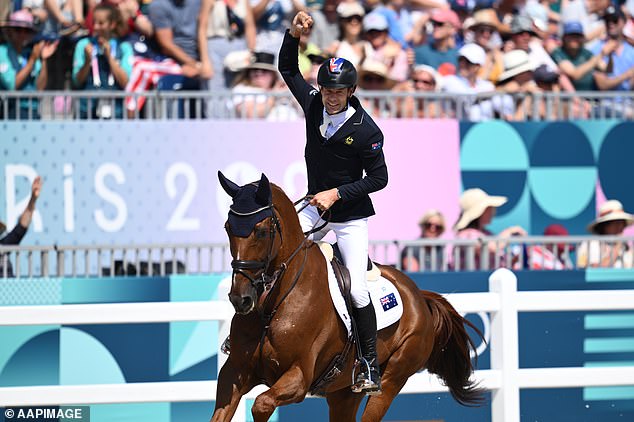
[103,62]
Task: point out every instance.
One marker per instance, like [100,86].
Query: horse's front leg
[232,385]
[290,388]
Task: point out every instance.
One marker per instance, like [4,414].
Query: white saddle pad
[385,297]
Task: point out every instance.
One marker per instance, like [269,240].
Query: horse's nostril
[246,302]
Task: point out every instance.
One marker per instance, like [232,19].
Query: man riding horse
[342,142]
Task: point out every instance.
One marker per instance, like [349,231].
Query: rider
[342,142]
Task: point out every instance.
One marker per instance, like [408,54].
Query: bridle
[260,280]
[257,271]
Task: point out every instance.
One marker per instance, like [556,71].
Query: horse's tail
[450,358]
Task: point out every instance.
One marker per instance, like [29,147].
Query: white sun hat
[473,203]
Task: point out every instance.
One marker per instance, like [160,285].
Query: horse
[286,331]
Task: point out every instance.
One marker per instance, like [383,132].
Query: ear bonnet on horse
[252,203]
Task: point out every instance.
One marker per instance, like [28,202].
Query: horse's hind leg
[290,388]
[400,366]
[343,405]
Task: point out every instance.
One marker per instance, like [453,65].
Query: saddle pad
[385,298]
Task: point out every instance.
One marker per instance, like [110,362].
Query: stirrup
[226,346]
[364,380]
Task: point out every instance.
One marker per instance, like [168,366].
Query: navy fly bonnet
[252,203]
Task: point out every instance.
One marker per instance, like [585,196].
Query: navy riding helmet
[337,73]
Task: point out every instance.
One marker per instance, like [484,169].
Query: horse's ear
[263,194]
[229,187]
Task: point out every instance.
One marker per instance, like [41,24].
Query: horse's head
[254,239]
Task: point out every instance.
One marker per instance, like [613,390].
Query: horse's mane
[287,211]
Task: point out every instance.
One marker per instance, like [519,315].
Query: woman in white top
[611,221]
[350,45]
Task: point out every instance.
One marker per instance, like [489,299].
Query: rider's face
[335,99]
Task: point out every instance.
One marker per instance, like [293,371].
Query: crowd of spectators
[510,49]
[608,249]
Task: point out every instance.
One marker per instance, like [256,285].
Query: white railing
[505,379]
[205,258]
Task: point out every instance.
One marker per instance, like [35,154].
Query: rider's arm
[289,68]
[375,170]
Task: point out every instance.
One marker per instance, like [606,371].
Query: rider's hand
[302,22]
[324,200]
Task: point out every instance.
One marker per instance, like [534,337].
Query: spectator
[175,28]
[477,210]
[14,237]
[551,256]
[574,60]
[441,52]
[524,37]
[271,20]
[589,14]
[424,79]
[373,76]
[383,48]
[517,83]
[471,58]
[103,62]
[350,44]
[619,59]
[611,221]
[432,226]
[250,93]
[324,15]
[23,67]
[485,27]
[223,27]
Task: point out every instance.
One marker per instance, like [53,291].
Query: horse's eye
[260,233]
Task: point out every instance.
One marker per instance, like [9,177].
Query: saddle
[342,275]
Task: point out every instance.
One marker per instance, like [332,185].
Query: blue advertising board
[185,351]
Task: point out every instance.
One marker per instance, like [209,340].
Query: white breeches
[352,238]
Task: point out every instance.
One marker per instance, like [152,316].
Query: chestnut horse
[286,331]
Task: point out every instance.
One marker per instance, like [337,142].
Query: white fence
[504,379]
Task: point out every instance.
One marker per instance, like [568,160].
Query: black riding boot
[368,380]
[226,346]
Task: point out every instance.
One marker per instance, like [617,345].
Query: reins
[279,273]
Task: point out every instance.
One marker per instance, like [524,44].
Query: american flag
[388,302]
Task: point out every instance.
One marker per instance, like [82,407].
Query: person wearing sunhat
[486,29]
[15,236]
[23,67]
[477,209]
[611,221]
[516,82]
[251,86]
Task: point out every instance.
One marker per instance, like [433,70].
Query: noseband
[257,270]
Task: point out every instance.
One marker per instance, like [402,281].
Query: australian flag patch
[376,145]
[388,302]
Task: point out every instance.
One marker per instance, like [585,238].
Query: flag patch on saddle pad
[388,302]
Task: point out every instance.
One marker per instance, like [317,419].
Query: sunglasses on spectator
[436,23]
[484,30]
[352,18]
[424,81]
[434,226]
